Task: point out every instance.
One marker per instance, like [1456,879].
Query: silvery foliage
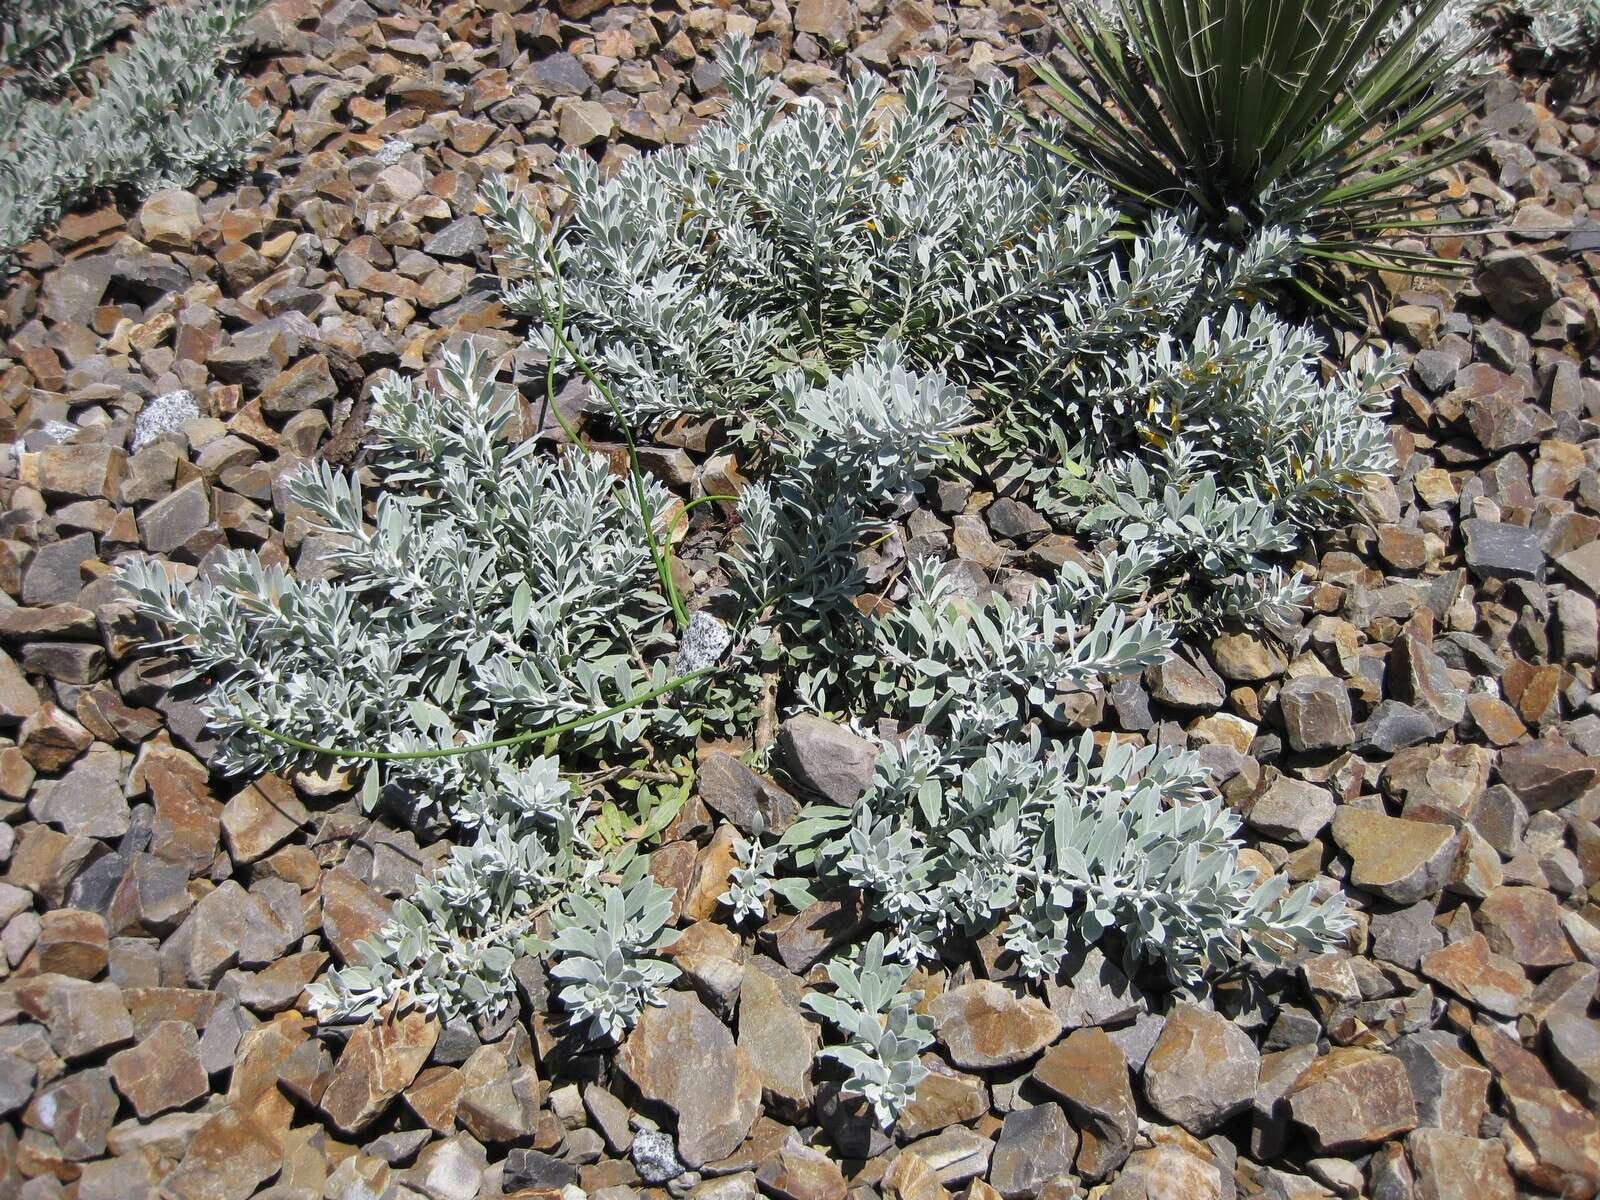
[885,1034]
[1454,31]
[1562,27]
[494,587]
[751,881]
[603,948]
[43,43]
[160,117]
[449,947]
[974,820]
[704,279]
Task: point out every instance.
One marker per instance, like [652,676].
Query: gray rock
[1574,1042]
[557,75]
[1034,1146]
[1292,811]
[1495,549]
[462,238]
[654,1156]
[87,801]
[733,790]
[1393,726]
[169,523]
[827,758]
[1203,1070]
[53,577]
[162,415]
[536,1170]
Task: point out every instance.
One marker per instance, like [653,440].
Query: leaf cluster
[1325,117]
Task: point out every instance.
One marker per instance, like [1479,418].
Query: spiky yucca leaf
[1313,115]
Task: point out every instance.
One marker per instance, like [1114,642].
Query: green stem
[515,739]
[694,504]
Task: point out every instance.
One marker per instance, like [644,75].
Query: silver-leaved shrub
[776,249]
[852,292]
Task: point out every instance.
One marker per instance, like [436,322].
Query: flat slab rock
[681,1055]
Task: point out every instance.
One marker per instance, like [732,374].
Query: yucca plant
[1312,115]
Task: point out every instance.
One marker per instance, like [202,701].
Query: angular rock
[1352,1097]
[1450,1087]
[228,1159]
[1496,550]
[945,1097]
[1517,284]
[681,1056]
[1449,1165]
[77,1111]
[1034,1146]
[984,1024]
[163,1071]
[749,801]
[378,1063]
[88,800]
[1168,1172]
[1203,1070]
[1088,1071]
[1573,1041]
[778,1038]
[1316,713]
[1478,975]
[827,758]
[535,1170]
[1524,924]
[1292,811]
[1402,861]
[797,1172]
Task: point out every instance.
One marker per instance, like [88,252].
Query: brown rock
[1316,713]
[911,1178]
[187,819]
[379,1062]
[1439,783]
[1167,1172]
[782,1044]
[230,1157]
[1554,1142]
[351,911]
[681,1056]
[797,1172]
[1524,924]
[261,818]
[163,1071]
[499,1101]
[1455,1166]
[170,219]
[1475,973]
[984,1024]
[1203,1069]
[745,798]
[1090,1073]
[72,942]
[85,1018]
[1353,1097]
[1402,861]
[945,1097]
